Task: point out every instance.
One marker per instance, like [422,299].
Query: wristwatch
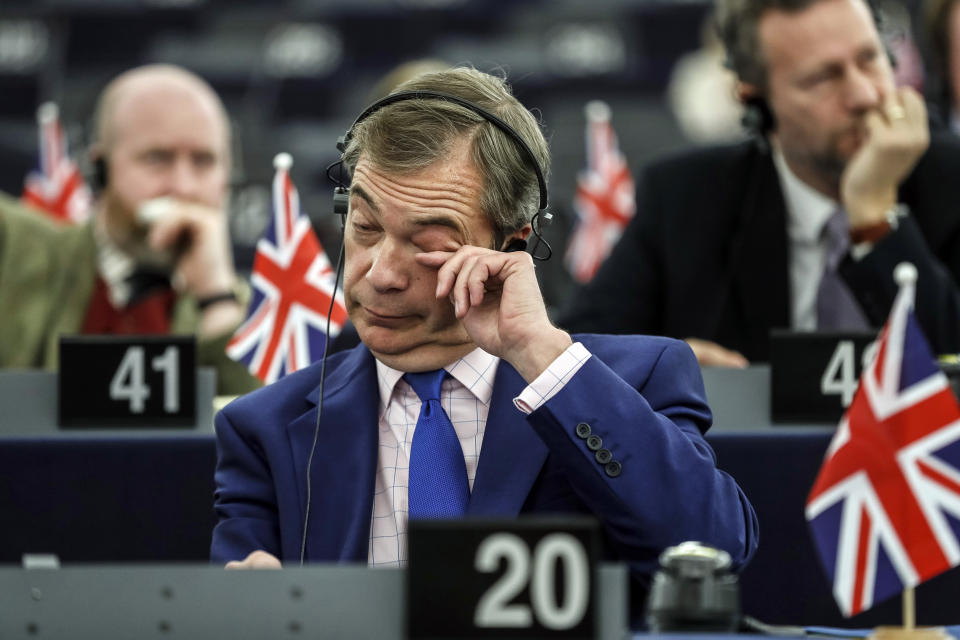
[863,239]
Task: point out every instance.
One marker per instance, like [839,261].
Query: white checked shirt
[465,396]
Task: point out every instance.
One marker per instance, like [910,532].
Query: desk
[150,500]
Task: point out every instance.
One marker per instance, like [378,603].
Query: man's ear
[96,160]
[746,92]
[517,241]
[757,115]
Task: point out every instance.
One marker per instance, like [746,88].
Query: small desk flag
[57,188]
[884,510]
[293,282]
[605,200]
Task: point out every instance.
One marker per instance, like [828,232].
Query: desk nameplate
[139,381]
[815,375]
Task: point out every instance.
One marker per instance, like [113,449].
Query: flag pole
[905,274]
[909,609]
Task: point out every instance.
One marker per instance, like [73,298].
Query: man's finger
[711,354]
[433,258]
[448,273]
[461,292]
[165,232]
[256,560]
[874,121]
[476,284]
[913,103]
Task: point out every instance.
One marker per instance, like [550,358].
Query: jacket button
[603,456]
[613,468]
[594,443]
[583,430]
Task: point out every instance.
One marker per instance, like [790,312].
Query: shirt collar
[475,371]
[807,209]
[114,265]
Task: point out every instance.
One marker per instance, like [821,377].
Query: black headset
[341,194]
[98,174]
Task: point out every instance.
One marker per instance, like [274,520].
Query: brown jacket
[47,275]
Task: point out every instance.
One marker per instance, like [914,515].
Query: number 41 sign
[128,381]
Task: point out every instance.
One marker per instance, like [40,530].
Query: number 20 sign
[127,381]
[494,579]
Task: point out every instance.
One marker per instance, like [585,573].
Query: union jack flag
[885,508]
[605,199]
[57,188]
[293,283]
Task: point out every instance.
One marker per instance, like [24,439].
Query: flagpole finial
[597,111]
[282,161]
[905,274]
[47,112]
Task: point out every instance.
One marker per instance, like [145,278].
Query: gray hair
[737,23]
[410,135]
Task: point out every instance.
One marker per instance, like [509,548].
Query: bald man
[156,256]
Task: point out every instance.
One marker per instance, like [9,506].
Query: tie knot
[426,384]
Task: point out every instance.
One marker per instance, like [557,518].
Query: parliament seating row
[121,499]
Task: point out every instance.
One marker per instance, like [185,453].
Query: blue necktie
[438,486]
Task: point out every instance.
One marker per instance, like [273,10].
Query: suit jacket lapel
[511,456]
[344,465]
[761,281]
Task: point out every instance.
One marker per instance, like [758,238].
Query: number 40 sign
[129,381]
[814,376]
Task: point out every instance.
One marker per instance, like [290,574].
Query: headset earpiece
[757,117]
[341,203]
[99,178]
[517,244]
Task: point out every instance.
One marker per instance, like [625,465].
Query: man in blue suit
[607,426]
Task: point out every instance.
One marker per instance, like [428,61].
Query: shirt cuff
[552,379]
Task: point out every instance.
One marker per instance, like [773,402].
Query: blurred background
[295,73]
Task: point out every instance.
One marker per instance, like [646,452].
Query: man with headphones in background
[156,256]
[463,399]
[801,229]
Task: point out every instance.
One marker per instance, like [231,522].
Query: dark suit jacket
[643,396]
[707,254]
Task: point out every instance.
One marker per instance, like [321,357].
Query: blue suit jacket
[643,396]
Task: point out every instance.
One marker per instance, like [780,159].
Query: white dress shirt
[807,212]
[114,265]
[465,396]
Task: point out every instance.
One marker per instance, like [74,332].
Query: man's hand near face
[204,264]
[498,301]
[897,135]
